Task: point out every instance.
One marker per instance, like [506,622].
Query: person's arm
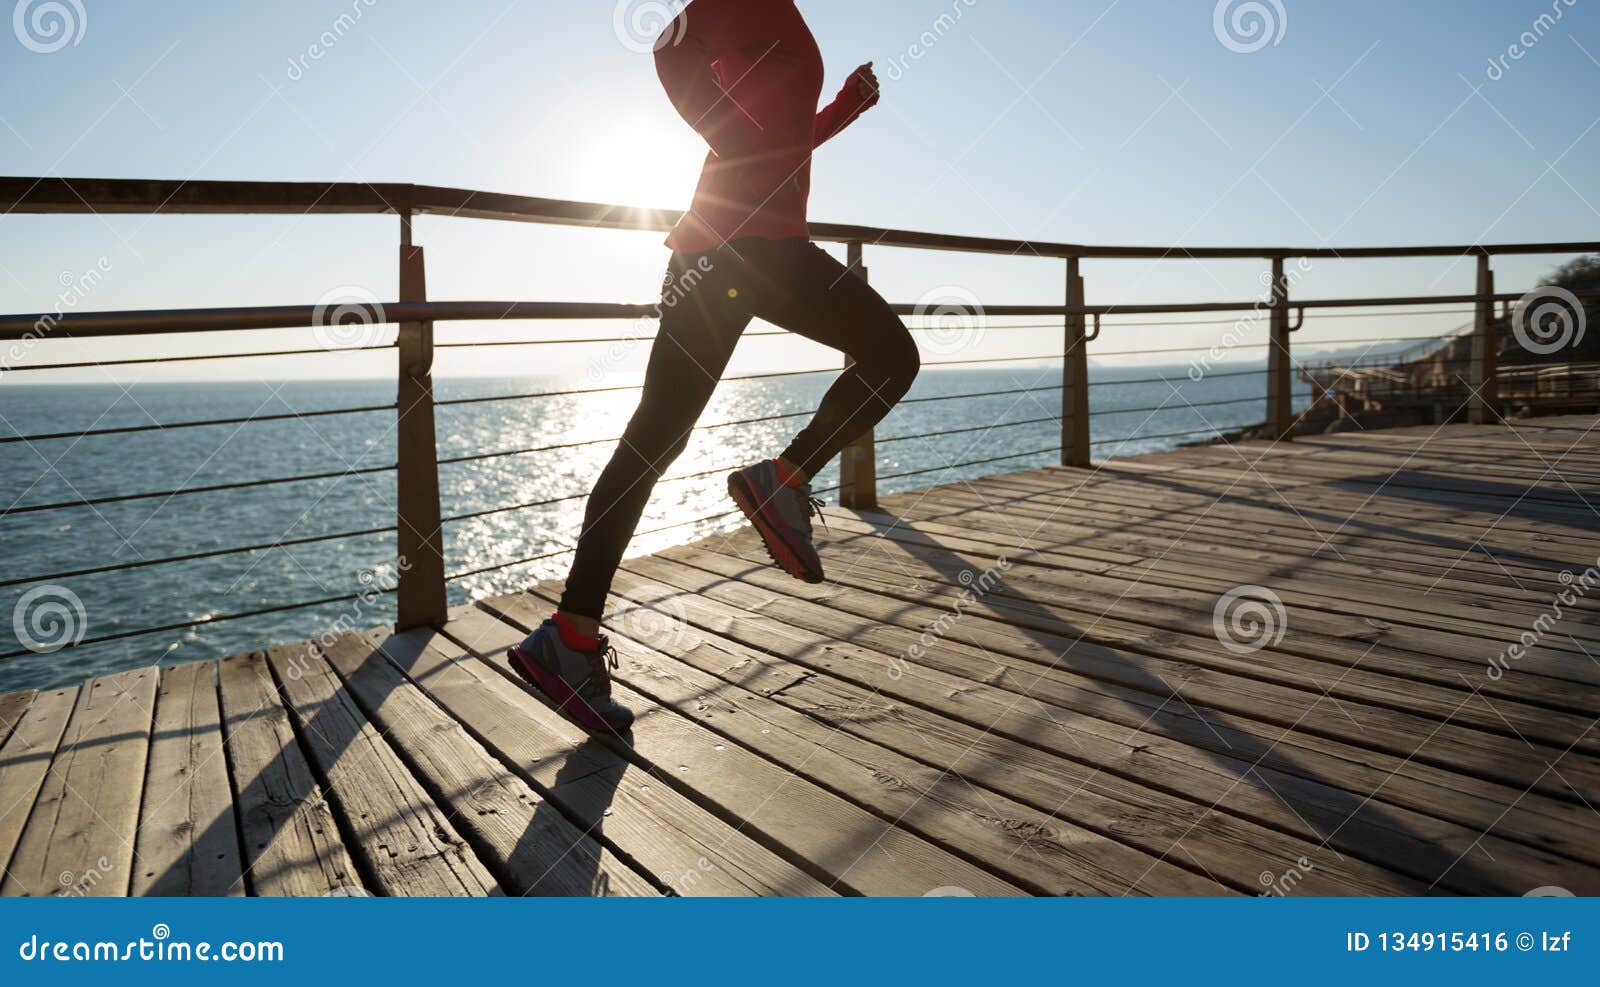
[860,94]
[697,73]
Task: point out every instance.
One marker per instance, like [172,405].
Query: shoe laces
[814,506]
[601,663]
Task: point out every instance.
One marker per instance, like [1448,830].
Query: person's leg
[815,296]
[700,325]
[806,291]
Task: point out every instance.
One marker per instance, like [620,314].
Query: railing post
[421,596]
[858,463]
[1280,383]
[1483,403]
[1075,376]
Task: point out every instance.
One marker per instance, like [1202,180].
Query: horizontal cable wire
[214,553]
[974,462]
[999,359]
[974,428]
[625,387]
[1179,407]
[639,534]
[203,356]
[243,485]
[1168,380]
[979,394]
[1183,349]
[1164,435]
[220,618]
[163,426]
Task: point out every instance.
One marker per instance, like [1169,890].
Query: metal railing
[421,588]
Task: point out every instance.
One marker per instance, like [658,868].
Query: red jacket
[747,74]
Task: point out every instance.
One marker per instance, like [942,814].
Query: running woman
[746,75]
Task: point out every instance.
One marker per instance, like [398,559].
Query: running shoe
[782,515]
[577,682]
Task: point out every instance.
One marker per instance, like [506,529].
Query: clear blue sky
[1367,122]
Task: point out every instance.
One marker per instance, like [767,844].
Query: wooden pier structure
[1268,668]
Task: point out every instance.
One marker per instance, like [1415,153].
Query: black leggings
[707,300]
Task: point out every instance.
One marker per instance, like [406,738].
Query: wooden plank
[851,849]
[1167,623]
[875,643]
[1054,648]
[1030,847]
[405,841]
[994,769]
[682,846]
[1370,584]
[1124,758]
[78,840]
[1438,551]
[188,842]
[1360,611]
[292,844]
[526,840]
[12,706]
[1057,521]
[25,759]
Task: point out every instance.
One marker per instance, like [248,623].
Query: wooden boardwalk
[1017,685]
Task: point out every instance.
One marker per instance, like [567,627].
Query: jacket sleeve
[697,71]
[842,112]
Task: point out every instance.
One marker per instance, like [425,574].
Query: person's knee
[897,362]
[651,446]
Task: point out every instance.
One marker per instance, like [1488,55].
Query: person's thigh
[808,292]
[700,325]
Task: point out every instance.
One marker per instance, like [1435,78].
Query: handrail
[422,579]
[91,325]
[110,195]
